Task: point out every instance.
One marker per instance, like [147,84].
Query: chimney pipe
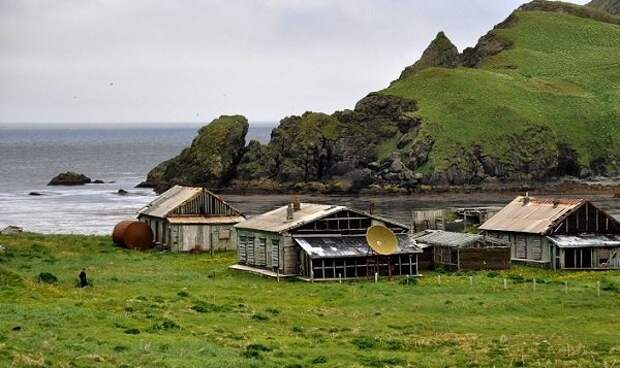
[371,207]
[296,205]
[289,212]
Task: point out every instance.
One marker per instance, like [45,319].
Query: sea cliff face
[535,100]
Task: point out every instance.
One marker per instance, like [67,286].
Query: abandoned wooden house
[558,233]
[320,242]
[462,251]
[191,219]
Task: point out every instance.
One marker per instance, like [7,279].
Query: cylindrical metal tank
[133,234]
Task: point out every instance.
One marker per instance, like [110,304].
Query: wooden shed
[320,242]
[191,219]
[557,233]
[462,251]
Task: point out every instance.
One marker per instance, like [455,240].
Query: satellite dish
[382,240]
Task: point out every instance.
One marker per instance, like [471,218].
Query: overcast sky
[167,61]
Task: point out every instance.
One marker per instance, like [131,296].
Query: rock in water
[122,192]
[210,161]
[35,194]
[70,178]
[98,181]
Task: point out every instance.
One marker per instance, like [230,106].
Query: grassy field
[181,310]
[560,74]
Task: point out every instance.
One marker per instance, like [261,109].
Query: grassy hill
[557,85]
[157,309]
[537,99]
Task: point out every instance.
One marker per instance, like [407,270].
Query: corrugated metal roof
[585,241]
[169,200]
[205,220]
[446,238]
[348,246]
[531,214]
[275,220]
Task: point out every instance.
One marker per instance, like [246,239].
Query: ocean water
[119,155]
[122,156]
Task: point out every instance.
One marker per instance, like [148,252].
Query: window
[243,245]
[224,234]
[275,253]
[261,252]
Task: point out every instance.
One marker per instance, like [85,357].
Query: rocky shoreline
[384,145]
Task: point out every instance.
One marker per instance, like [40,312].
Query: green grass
[562,72]
[180,310]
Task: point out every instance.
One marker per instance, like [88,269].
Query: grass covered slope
[167,310]
[555,91]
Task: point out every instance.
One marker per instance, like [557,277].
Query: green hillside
[557,84]
[537,99]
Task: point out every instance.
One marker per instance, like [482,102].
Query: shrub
[260,317]
[132,331]
[409,281]
[47,278]
[253,351]
[319,360]
[492,274]
[298,329]
[166,325]
[183,294]
[365,342]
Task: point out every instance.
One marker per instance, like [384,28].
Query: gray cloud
[157,60]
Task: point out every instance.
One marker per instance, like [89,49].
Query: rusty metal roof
[531,214]
[205,220]
[348,246]
[586,241]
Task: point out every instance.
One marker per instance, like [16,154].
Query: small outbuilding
[321,242]
[191,219]
[462,251]
[558,233]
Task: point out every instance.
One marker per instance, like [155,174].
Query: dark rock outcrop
[35,194]
[609,6]
[440,53]
[70,178]
[210,161]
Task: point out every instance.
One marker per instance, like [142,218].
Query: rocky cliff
[534,100]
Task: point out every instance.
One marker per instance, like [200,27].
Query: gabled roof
[275,220]
[348,246]
[173,198]
[532,215]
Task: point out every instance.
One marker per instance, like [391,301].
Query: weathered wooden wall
[485,258]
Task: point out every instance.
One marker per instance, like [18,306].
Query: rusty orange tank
[133,235]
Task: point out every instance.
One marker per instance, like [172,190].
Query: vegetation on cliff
[536,99]
[210,161]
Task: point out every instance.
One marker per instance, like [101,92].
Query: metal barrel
[133,234]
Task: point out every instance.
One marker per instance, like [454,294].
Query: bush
[260,317]
[47,278]
[319,360]
[166,325]
[205,307]
[132,331]
[253,351]
[365,342]
[409,281]
[492,274]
